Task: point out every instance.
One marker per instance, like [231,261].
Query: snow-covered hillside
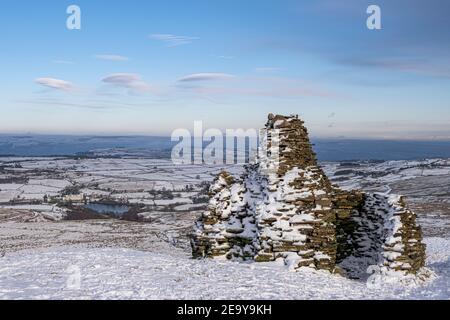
[130,259]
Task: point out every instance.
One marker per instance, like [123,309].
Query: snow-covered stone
[285,208]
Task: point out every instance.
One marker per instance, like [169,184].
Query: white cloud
[111,57]
[172,40]
[206,77]
[122,78]
[56,84]
[130,81]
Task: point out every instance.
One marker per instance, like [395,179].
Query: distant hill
[160,147]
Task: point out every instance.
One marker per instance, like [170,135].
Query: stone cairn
[284,208]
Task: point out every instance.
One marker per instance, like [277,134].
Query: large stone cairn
[284,208]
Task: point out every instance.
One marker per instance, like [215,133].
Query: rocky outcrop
[284,207]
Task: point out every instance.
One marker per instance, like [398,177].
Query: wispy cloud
[130,81]
[56,84]
[254,86]
[63,103]
[274,92]
[416,66]
[111,57]
[122,79]
[172,40]
[206,77]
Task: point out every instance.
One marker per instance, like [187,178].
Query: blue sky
[149,67]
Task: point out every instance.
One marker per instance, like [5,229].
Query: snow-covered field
[115,259]
[115,273]
[156,183]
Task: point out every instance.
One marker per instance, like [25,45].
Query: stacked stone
[403,249]
[295,217]
[295,149]
[348,205]
[289,209]
[284,207]
[227,229]
[362,235]
[381,231]
[295,220]
[209,239]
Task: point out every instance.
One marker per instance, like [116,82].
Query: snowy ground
[114,259]
[114,273]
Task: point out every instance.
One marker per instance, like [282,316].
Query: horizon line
[143,135]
